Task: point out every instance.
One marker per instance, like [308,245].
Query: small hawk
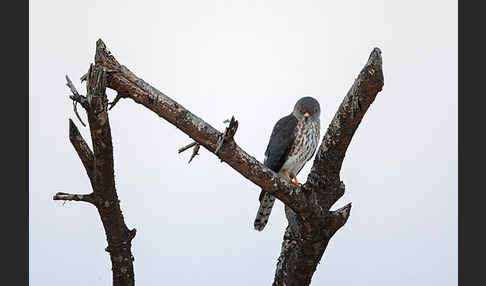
[293,142]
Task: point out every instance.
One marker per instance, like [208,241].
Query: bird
[293,142]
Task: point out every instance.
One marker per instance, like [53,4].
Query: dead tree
[311,223]
[100,171]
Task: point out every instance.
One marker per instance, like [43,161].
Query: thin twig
[81,99]
[194,152]
[76,97]
[71,86]
[186,147]
[230,129]
[76,112]
[89,198]
[115,101]
[84,77]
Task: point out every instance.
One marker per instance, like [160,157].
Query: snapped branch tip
[228,134]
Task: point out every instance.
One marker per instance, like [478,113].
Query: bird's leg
[287,175]
[293,180]
[296,182]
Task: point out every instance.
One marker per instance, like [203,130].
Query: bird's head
[307,108]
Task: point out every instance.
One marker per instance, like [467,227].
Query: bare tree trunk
[311,222]
[99,167]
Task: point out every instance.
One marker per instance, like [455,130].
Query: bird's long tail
[266,204]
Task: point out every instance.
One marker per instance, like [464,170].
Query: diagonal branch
[125,82]
[348,117]
[299,257]
[325,171]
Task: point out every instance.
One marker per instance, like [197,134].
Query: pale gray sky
[251,59]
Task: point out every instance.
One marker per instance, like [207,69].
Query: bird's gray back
[281,141]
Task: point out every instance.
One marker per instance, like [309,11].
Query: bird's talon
[296,182]
[299,187]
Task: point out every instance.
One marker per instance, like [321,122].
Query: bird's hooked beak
[306,116]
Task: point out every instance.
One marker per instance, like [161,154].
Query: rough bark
[303,247]
[311,222]
[99,168]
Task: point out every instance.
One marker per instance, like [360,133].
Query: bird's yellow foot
[293,180]
[296,182]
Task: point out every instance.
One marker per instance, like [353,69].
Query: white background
[253,60]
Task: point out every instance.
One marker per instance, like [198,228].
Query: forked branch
[311,222]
